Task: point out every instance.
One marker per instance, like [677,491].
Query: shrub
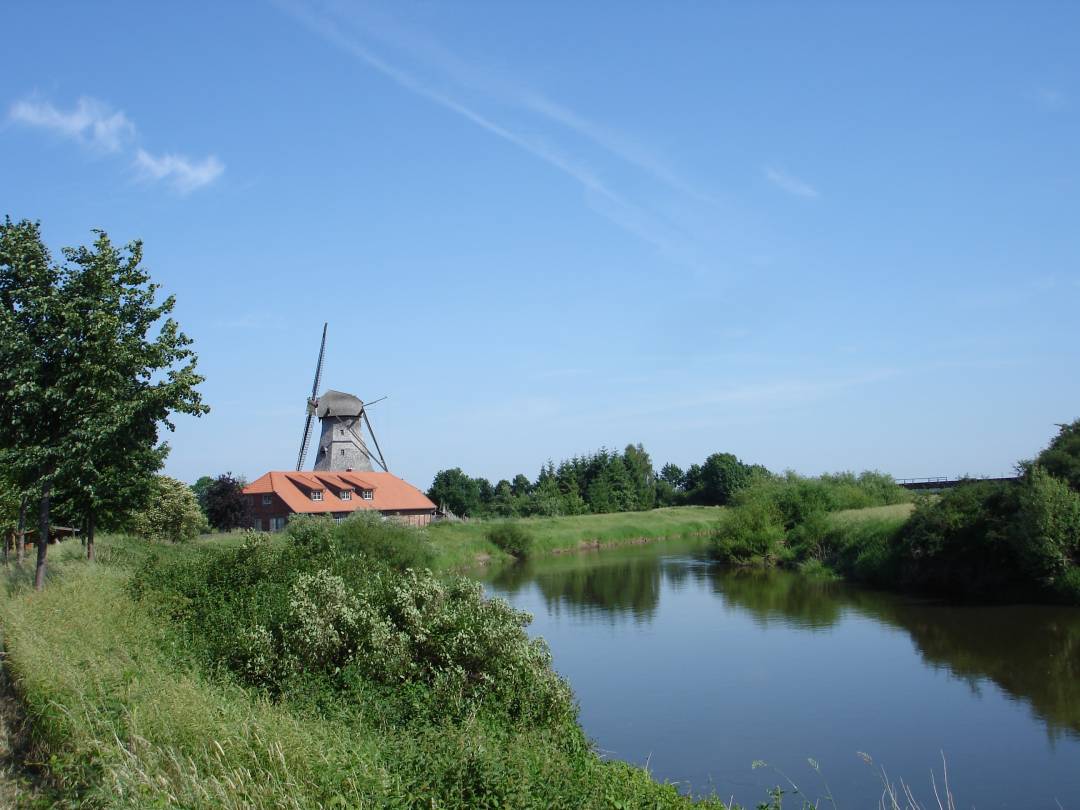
[172,513]
[512,538]
[1047,527]
[384,540]
[322,621]
[750,533]
[297,621]
[312,532]
[960,541]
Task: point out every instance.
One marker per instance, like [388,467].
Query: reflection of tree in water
[779,596]
[620,589]
[1031,652]
[617,583]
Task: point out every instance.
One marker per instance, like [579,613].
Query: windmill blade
[304,442]
[380,459]
[319,364]
[312,401]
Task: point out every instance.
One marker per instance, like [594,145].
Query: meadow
[311,671]
[462,544]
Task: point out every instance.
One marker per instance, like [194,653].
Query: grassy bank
[191,676]
[459,545]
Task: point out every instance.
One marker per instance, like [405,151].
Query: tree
[520,485]
[80,412]
[722,475]
[672,474]
[123,380]
[200,487]
[504,504]
[642,477]
[1062,458]
[173,514]
[33,348]
[454,490]
[226,507]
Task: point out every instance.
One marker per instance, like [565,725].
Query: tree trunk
[43,535]
[90,536]
[21,539]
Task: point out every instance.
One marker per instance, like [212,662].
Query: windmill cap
[335,403]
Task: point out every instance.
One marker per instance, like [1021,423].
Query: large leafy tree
[132,369]
[33,351]
[91,366]
[456,491]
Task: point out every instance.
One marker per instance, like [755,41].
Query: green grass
[460,545]
[122,716]
[901,511]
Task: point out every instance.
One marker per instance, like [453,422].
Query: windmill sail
[312,403]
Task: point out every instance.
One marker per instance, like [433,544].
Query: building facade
[277,496]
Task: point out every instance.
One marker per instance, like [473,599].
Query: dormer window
[316,494]
[346,494]
[366,494]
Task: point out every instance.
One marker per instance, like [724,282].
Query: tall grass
[125,716]
[459,545]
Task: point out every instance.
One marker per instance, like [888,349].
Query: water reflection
[1031,652]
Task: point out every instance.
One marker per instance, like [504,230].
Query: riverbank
[463,545]
[174,692]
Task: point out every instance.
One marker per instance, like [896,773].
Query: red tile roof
[389,493]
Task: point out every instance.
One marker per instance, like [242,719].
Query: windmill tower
[342,418]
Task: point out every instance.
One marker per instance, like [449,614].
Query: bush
[751,533]
[1047,527]
[512,538]
[312,532]
[296,620]
[172,514]
[384,540]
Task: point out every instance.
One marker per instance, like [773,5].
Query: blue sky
[820,236]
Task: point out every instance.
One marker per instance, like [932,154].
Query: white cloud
[90,122]
[185,175]
[789,183]
[98,126]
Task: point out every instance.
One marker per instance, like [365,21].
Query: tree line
[599,482]
[92,366]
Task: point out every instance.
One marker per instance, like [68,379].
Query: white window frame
[346,494]
[367,495]
[267,500]
[277,524]
[316,494]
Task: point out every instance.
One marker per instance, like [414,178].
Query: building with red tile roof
[276,496]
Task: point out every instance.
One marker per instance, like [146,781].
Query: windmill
[342,418]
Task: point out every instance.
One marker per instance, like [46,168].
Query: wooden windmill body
[342,419]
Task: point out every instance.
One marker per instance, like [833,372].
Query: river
[698,672]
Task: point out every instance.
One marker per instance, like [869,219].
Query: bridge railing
[932,482]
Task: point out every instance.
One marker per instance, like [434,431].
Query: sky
[829,236]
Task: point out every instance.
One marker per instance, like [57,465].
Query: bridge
[938,483]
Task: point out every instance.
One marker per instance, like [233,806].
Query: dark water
[699,671]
